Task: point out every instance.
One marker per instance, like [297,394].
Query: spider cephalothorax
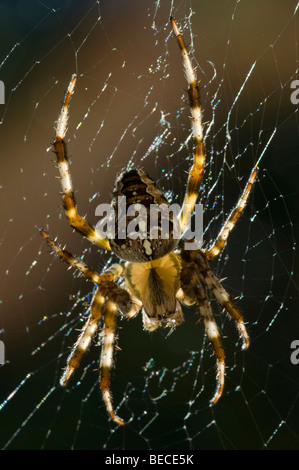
[158,275]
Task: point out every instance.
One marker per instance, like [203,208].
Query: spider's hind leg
[224,299]
[213,334]
[194,289]
[196,278]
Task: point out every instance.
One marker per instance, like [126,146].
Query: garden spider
[157,274]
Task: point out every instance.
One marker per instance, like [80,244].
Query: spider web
[130,108]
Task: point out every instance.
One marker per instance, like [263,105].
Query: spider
[155,275]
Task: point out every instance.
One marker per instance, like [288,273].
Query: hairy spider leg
[231,220]
[106,362]
[213,335]
[194,286]
[137,304]
[224,299]
[100,306]
[112,273]
[85,337]
[79,223]
[197,169]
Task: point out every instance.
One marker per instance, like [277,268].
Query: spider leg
[184,299]
[230,222]
[116,298]
[107,357]
[76,221]
[214,337]
[196,171]
[136,303]
[194,289]
[83,341]
[224,299]
[109,275]
[108,298]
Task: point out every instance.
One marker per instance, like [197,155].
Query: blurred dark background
[130,79]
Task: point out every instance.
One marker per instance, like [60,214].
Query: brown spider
[157,275]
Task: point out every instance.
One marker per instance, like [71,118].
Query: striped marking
[112,273]
[84,340]
[106,361]
[76,221]
[214,337]
[196,171]
[224,299]
[79,349]
[233,217]
[109,310]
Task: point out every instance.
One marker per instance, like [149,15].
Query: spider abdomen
[145,226]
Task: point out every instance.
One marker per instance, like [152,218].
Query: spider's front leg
[197,169]
[77,222]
